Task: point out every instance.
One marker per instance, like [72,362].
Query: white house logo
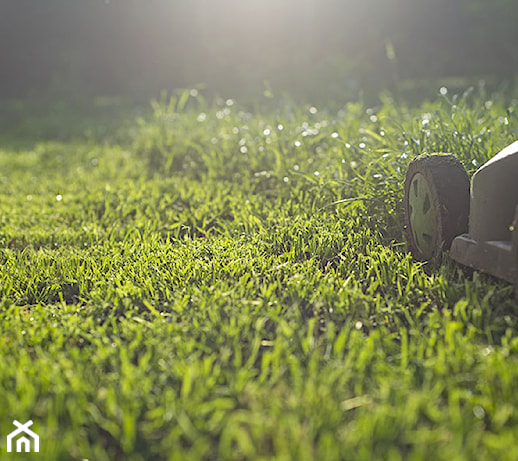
[23,437]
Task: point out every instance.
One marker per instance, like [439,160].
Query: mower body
[491,244]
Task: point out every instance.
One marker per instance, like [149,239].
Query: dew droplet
[479,412]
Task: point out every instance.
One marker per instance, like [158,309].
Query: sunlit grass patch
[222,282]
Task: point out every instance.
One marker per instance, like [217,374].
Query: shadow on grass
[25,123]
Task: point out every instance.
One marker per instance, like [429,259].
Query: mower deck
[497,258]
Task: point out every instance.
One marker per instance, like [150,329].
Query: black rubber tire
[440,185]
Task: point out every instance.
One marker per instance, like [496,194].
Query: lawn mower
[477,224]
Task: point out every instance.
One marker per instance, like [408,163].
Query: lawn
[231,281]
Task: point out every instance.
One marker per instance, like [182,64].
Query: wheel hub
[423,216]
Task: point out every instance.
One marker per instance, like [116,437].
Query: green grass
[216,281]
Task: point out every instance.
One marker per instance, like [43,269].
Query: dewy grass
[219,283]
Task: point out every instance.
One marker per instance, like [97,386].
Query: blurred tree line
[235,46]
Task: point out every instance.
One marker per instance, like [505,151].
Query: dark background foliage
[236,46]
